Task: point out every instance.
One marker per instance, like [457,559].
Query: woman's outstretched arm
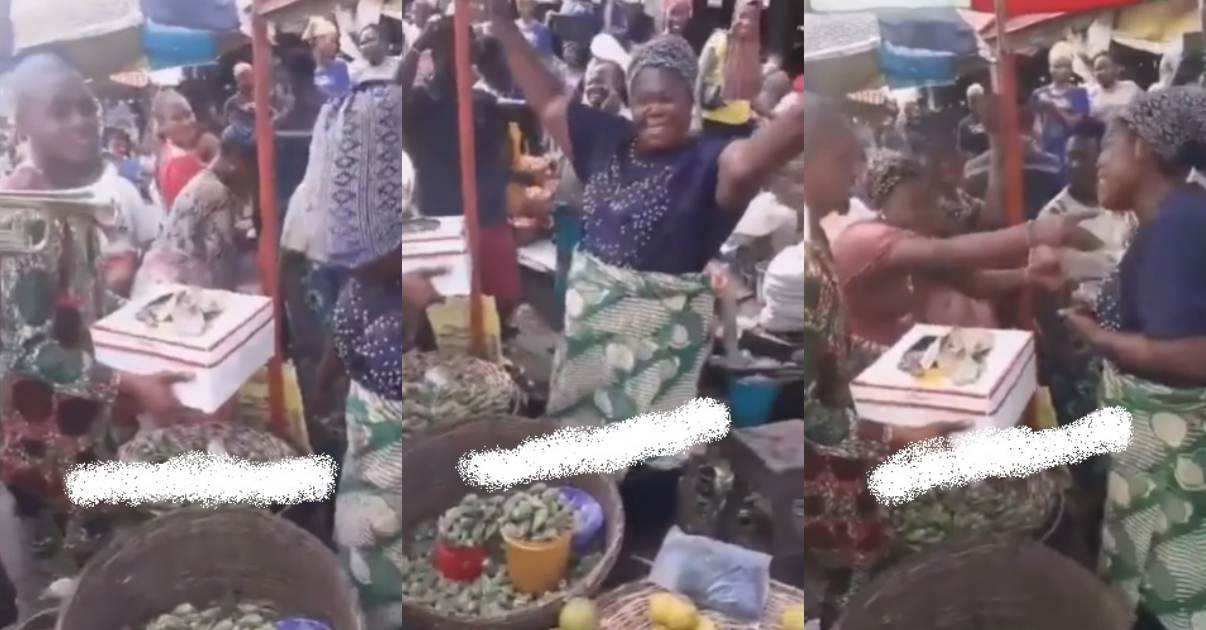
[544,91]
[986,250]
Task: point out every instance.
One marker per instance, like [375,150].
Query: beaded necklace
[638,200]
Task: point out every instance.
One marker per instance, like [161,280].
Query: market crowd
[649,140]
[907,225]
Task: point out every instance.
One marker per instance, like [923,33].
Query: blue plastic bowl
[301,624]
[588,518]
[751,400]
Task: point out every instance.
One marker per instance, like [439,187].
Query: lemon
[579,614]
[682,615]
[705,624]
[659,607]
[792,619]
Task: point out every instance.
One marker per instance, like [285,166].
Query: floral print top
[844,526]
[54,397]
[196,246]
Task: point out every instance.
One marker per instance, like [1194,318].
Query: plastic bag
[717,576]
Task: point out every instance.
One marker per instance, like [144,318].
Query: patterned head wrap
[886,170]
[1173,123]
[665,52]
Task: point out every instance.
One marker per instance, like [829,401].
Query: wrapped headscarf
[1173,123]
[886,170]
[665,52]
[743,60]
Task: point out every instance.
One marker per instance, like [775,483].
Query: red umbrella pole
[266,160]
[1010,134]
[1007,90]
[464,111]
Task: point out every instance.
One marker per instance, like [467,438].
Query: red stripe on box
[177,360]
[997,409]
[122,333]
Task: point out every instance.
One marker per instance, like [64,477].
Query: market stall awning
[1152,26]
[1012,7]
[1028,33]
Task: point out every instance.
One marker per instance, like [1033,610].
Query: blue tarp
[939,30]
[201,15]
[170,47]
[910,67]
[920,47]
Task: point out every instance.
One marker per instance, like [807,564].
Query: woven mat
[627,607]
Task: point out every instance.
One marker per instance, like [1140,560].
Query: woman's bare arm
[987,284]
[1176,362]
[936,255]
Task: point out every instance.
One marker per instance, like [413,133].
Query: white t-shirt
[1106,104]
[137,221]
[767,217]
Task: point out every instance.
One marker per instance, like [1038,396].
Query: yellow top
[732,112]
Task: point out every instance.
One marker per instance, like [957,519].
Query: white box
[885,393]
[237,343]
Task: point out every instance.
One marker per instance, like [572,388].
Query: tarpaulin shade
[1012,7]
[203,15]
[847,52]
[906,67]
[39,22]
[169,46]
[938,30]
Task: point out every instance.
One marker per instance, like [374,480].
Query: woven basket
[473,388]
[431,484]
[240,440]
[627,607]
[986,585]
[200,555]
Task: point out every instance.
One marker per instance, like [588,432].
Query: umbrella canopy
[1012,7]
[847,52]
[101,38]
[839,52]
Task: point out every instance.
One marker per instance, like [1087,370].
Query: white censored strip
[1014,452]
[578,451]
[203,479]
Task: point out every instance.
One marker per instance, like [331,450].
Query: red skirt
[498,259]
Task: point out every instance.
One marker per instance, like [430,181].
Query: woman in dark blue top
[1152,330]
[1155,319]
[659,202]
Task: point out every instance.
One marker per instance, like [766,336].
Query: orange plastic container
[536,568]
